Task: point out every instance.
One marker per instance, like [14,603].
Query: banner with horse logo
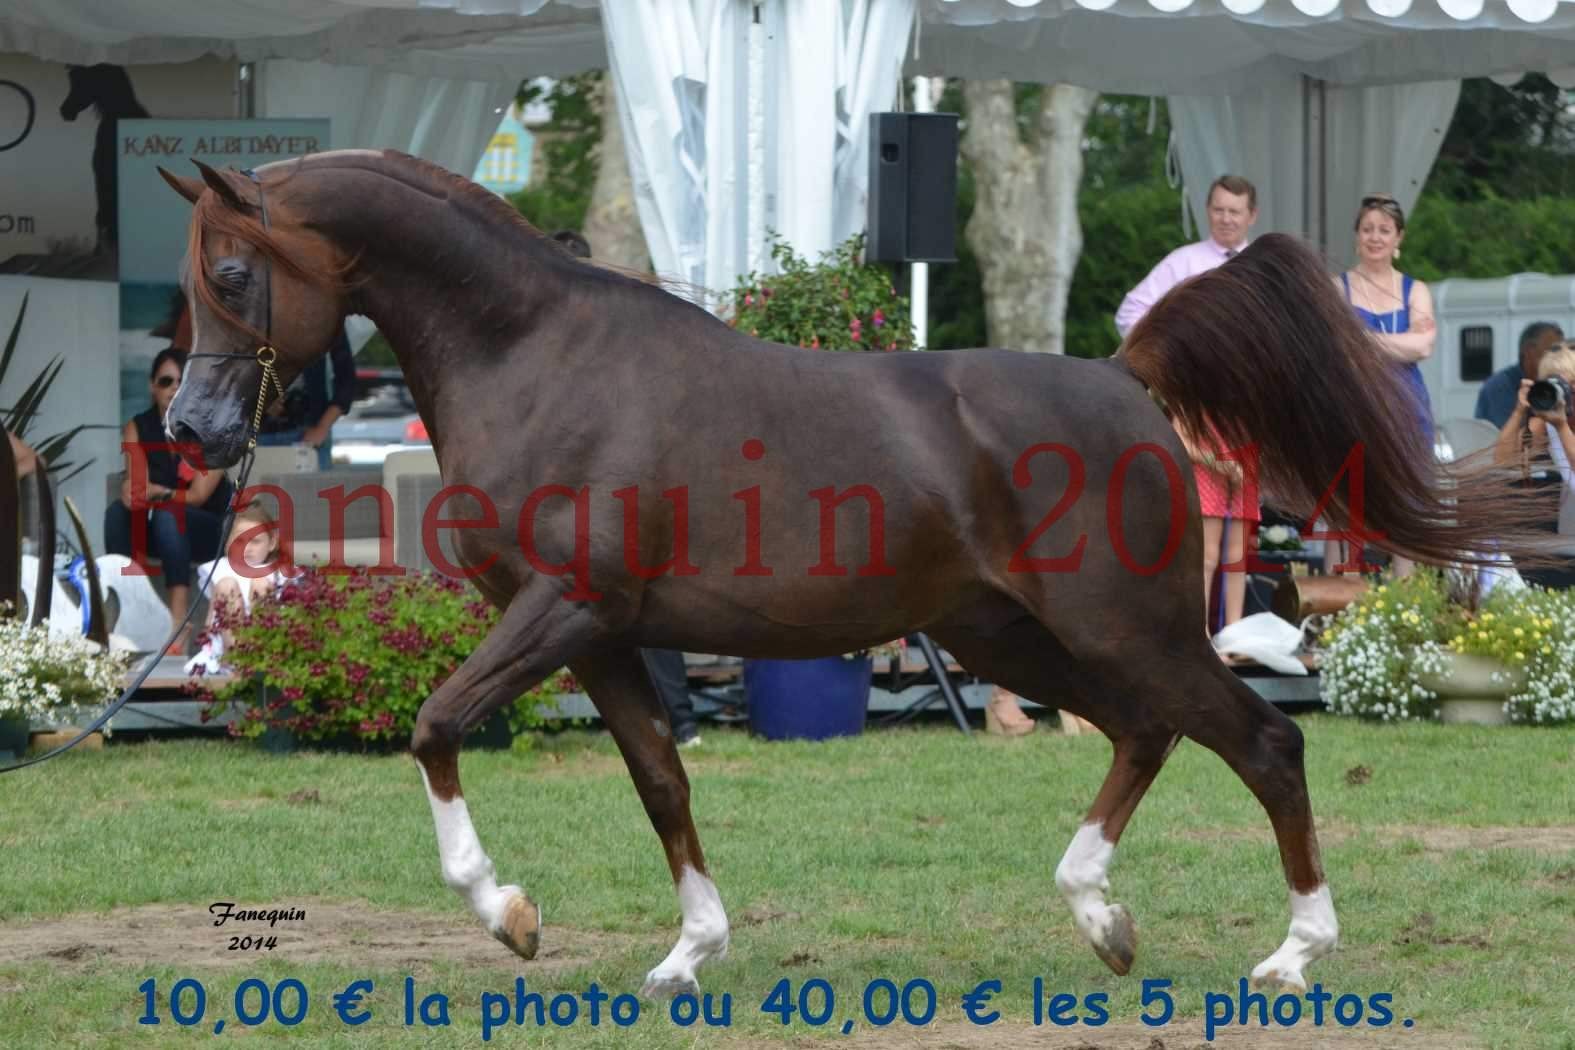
[153,222]
[58,129]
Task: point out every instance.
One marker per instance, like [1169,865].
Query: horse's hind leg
[620,687]
[1200,696]
[530,640]
[1028,659]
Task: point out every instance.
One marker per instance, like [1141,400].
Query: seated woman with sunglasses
[181,508]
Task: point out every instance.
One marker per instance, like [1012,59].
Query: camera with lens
[1549,395]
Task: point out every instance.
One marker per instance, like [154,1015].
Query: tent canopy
[729,117]
[1197,47]
[1131,46]
[474,40]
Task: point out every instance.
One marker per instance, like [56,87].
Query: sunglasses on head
[1379,200]
[165,382]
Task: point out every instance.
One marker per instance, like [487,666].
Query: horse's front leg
[536,635]
[620,686]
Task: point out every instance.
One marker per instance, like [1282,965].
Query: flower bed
[354,656]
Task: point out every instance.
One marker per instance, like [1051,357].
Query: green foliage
[839,303]
[1130,217]
[1490,237]
[19,416]
[394,640]
[559,198]
[377,352]
[1125,232]
[1515,143]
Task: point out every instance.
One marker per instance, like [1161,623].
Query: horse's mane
[213,215]
[494,207]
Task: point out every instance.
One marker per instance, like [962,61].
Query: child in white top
[254,536]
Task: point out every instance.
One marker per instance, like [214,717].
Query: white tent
[743,115]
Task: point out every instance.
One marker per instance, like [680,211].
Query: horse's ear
[191,189]
[220,185]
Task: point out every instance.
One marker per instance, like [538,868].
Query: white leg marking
[703,936]
[1314,933]
[1081,878]
[467,870]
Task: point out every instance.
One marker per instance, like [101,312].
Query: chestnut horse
[656,478]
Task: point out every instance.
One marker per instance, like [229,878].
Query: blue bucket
[808,699]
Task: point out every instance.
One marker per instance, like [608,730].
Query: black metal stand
[944,691]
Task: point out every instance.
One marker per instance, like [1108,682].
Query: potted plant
[395,640]
[49,679]
[837,304]
[1425,647]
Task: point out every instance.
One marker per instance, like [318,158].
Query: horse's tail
[1266,352]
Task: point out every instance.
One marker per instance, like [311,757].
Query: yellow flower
[1519,633]
[1487,617]
[1547,649]
[1379,604]
[1520,656]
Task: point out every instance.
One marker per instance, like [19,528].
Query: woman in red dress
[1227,504]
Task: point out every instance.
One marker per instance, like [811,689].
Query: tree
[559,196]
[612,223]
[1024,230]
[1514,143]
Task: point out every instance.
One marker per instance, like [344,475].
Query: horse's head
[255,277]
[80,94]
[106,86]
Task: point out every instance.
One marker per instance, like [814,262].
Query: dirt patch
[379,938]
[1557,838]
[1181,1035]
[1440,838]
[1422,929]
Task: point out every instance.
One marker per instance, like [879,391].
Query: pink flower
[749,300]
[879,318]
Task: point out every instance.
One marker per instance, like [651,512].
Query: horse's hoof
[1279,981]
[521,928]
[671,986]
[1120,945]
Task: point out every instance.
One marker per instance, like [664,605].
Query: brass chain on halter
[266,356]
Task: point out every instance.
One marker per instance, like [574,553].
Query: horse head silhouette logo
[108,90]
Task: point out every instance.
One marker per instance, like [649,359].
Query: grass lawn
[905,855]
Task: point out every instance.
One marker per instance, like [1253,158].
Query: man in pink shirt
[1233,208]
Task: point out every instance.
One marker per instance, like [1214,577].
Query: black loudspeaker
[913,188]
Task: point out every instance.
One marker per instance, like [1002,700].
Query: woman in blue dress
[1397,307]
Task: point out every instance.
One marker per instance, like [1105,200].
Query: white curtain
[1381,138]
[447,122]
[1257,135]
[681,77]
[682,73]
[824,99]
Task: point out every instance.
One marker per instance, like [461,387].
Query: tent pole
[919,273]
[1315,163]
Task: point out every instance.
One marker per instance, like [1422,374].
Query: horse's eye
[232,276]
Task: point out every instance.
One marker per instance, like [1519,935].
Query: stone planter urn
[1472,689]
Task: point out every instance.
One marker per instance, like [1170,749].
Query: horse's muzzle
[206,443]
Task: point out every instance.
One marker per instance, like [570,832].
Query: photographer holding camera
[1542,419]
